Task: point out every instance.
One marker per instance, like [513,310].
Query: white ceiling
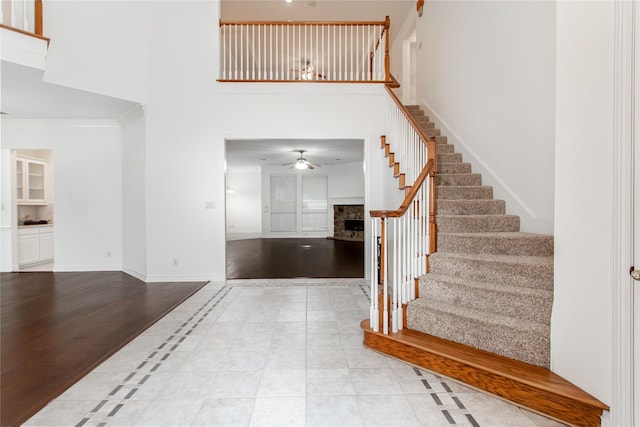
[26,96]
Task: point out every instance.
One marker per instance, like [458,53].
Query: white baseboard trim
[179,278]
[134,273]
[71,268]
[530,221]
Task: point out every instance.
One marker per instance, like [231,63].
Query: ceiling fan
[306,71]
[301,163]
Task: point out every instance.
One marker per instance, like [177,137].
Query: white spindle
[385,287]
[373,311]
[25,15]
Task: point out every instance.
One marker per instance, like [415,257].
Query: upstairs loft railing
[281,51]
[406,236]
[24,16]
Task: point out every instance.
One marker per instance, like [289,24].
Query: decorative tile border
[452,412]
[445,399]
[123,392]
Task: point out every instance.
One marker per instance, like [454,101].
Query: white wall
[134,196]
[103,42]
[167,60]
[582,317]
[486,76]
[87,187]
[6,210]
[244,203]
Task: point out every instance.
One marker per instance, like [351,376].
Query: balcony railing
[304,51]
[24,16]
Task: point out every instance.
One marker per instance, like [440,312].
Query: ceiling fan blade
[309,166]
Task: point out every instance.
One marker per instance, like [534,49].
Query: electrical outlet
[175,261]
[108,254]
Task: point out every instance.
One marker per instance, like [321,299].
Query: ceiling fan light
[301,165]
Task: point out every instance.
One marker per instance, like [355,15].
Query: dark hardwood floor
[291,258]
[56,327]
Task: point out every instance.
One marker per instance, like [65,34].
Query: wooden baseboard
[525,385]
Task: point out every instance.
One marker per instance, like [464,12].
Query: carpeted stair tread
[518,339]
[507,299]
[527,271]
[499,243]
[457,179]
[477,223]
[464,192]
[471,207]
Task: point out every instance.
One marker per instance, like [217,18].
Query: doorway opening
[33,210]
[280,198]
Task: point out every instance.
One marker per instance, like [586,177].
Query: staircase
[490,286]
[483,310]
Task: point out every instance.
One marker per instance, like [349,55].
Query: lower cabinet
[35,245]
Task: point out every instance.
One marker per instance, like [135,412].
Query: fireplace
[348,222]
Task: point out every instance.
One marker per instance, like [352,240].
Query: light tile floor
[270,353]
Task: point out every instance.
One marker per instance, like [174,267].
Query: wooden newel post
[433,228]
[387,60]
[38,18]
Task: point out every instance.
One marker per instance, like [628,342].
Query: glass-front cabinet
[31,182]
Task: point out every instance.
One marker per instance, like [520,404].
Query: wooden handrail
[387,58]
[26,33]
[299,23]
[410,118]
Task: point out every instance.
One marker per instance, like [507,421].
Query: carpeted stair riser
[441,139]
[500,243]
[424,122]
[463,193]
[458,179]
[515,301]
[477,223]
[431,132]
[522,340]
[445,148]
[470,207]
[526,271]
[449,158]
[445,168]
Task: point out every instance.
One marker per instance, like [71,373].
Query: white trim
[515,205]
[132,272]
[132,114]
[22,49]
[622,254]
[71,268]
[58,123]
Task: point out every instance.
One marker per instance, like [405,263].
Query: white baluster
[374,314]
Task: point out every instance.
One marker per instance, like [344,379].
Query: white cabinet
[32,181]
[35,244]
[46,243]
